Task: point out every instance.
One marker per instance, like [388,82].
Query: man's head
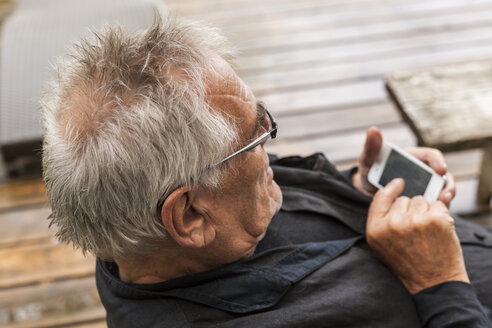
[133,119]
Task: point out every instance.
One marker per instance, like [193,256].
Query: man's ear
[188,226]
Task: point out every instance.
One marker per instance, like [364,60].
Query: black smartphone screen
[398,166]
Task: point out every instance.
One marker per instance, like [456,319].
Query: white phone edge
[434,186]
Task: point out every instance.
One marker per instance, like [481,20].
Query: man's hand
[417,240]
[432,157]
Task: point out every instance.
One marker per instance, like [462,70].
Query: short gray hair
[126,122]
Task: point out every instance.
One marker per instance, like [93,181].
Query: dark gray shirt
[312,269]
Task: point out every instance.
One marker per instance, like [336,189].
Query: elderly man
[154,160]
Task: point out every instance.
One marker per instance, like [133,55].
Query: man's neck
[159,267]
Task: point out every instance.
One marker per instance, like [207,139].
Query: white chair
[33,36]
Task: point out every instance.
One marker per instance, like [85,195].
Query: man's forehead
[226,92]
[223,80]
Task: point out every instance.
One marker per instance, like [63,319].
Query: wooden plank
[64,320]
[324,98]
[361,51]
[328,32]
[397,16]
[23,226]
[16,194]
[57,304]
[280,10]
[311,124]
[197,8]
[326,73]
[41,263]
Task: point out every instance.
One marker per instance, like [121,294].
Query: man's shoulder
[314,162]
[316,167]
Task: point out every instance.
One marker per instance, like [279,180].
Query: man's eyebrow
[260,116]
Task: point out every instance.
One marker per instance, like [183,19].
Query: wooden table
[450,108]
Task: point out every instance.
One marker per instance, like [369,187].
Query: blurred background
[420,70]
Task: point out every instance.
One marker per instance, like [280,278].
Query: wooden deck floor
[319,66]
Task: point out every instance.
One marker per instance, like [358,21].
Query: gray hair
[126,122]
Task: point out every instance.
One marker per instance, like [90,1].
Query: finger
[400,205]
[384,198]
[449,191]
[418,204]
[432,157]
[372,147]
[438,207]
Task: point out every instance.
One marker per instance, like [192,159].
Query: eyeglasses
[267,124]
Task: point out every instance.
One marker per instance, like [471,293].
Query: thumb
[384,198]
[372,147]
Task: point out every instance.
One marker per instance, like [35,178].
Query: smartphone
[393,162]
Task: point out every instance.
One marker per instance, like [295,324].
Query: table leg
[485,180]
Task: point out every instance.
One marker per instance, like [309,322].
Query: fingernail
[448,195]
[397,181]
